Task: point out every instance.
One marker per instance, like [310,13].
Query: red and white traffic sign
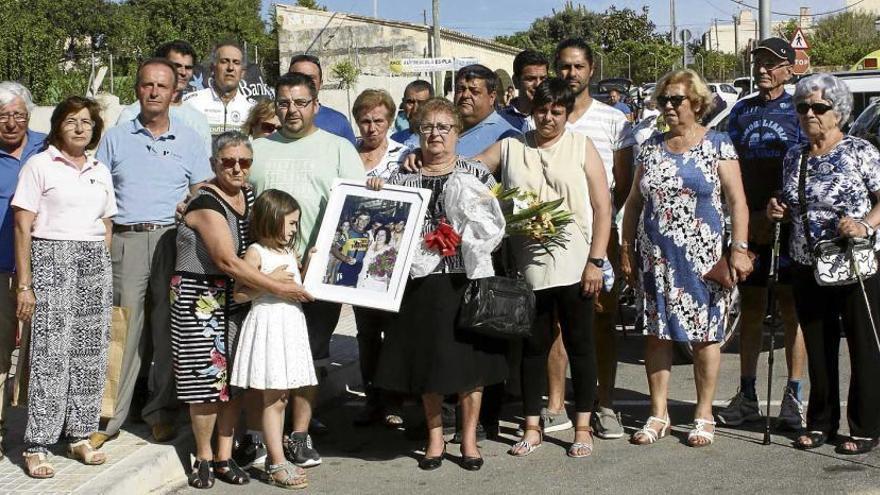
[799,40]
[801,62]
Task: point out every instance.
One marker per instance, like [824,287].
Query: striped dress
[202,309]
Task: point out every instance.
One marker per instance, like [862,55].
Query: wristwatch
[739,245]
[599,262]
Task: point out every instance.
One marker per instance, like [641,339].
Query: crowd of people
[199,213]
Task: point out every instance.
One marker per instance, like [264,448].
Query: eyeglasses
[18,117]
[676,100]
[285,104]
[72,123]
[441,128]
[243,163]
[771,66]
[269,127]
[817,108]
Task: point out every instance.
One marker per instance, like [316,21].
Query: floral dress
[680,238]
[202,308]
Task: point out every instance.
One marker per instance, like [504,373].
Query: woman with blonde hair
[675,212]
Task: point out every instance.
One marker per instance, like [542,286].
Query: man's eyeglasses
[285,104]
[771,66]
[18,117]
[269,127]
[72,123]
[817,108]
[243,163]
[676,100]
[441,128]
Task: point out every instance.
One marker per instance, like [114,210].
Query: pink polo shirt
[70,203]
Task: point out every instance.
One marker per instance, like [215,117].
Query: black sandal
[233,473]
[817,439]
[201,476]
[863,446]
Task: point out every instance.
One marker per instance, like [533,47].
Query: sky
[489,18]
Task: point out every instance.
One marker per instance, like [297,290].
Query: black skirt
[424,352]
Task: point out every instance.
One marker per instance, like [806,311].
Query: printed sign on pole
[801,62]
[799,41]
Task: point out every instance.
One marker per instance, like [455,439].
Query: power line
[740,2]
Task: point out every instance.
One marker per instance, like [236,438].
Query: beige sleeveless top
[551,173]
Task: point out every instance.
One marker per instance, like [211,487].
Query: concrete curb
[154,468]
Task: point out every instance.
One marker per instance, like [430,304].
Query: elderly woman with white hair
[829,186]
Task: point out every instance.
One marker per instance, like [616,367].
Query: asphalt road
[381,461]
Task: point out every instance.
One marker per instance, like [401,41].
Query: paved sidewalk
[135,464]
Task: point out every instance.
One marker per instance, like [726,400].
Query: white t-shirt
[221,116]
[390,163]
[609,130]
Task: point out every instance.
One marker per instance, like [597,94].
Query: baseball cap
[778,47]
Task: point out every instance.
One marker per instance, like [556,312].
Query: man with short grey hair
[17,144]
[225,107]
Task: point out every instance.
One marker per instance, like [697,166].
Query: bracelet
[869,230]
[23,288]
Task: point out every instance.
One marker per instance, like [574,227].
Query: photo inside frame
[366,243]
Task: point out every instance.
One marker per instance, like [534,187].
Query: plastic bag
[424,261]
[475,214]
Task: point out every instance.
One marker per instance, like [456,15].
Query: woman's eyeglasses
[817,108]
[676,100]
[243,163]
[269,127]
[441,128]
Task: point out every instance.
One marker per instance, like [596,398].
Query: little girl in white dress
[273,353]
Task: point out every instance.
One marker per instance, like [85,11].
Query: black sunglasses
[243,163]
[817,108]
[676,100]
[269,127]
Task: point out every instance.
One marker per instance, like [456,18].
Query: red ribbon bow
[443,239]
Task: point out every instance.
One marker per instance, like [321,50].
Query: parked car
[866,125]
[726,91]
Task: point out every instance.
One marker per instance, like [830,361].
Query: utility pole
[674,36]
[764,18]
[376,8]
[438,76]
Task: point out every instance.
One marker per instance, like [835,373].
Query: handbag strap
[802,198]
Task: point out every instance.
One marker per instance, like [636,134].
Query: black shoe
[298,449]
[481,435]
[249,452]
[471,463]
[431,463]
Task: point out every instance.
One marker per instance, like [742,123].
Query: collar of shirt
[138,128]
[511,109]
[235,99]
[490,120]
[56,156]
[35,142]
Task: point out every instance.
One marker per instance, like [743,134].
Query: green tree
[310,4]
[843,39]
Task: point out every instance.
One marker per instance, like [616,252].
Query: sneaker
[301,452]
[249,452]
[791,413]
[606,424]
[554,421]
[740,410]
[481,435]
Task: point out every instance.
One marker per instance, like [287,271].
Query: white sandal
[525,447]
[651,434]
[699,431]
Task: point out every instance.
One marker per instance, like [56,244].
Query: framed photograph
[365,244]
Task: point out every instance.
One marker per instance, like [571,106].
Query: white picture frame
[382,255]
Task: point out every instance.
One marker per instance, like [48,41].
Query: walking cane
[772,320]
[855,268]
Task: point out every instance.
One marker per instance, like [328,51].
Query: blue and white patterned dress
[681,237]
[839,183]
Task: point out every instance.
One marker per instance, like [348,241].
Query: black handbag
[500,307]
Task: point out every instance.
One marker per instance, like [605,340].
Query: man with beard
[221,102]
[529,70]
[763,128]
[611,133]
[183,57]
[303,161]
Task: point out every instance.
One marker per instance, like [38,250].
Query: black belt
[140,227]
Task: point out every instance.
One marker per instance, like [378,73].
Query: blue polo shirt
[152,174]
[516,118]
[475,140]
[763,132]
[10,166]
[334,122]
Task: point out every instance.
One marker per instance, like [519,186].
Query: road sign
[439,64]
[799,41]
[801,62]
[685,35]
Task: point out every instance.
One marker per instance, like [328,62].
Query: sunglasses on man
[243,163]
